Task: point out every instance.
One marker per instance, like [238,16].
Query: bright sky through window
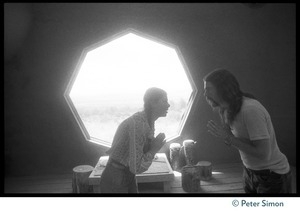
[113,78]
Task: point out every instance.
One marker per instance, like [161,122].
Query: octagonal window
[112,76]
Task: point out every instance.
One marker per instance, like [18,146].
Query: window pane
[113,78]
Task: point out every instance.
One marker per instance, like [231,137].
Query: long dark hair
[229,90]
[152,95]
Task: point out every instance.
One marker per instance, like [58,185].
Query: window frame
[191,102]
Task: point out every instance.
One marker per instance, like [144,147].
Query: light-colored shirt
[254,122]
[129,141]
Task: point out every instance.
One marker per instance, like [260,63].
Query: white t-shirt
[254,122]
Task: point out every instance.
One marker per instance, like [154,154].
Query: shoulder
[253,107]
[137,118]
[252,104]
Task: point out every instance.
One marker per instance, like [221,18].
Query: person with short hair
[134,145]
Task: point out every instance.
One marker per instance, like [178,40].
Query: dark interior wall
[43,44]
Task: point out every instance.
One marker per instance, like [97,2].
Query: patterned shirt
[130,145]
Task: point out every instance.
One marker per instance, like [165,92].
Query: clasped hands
[223,132]
[157,142]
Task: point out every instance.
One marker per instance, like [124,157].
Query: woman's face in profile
[161,107]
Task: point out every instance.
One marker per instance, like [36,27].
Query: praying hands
[219,131]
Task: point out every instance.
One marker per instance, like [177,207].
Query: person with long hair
[246,125]
[134,145]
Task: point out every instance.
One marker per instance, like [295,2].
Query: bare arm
[256,148]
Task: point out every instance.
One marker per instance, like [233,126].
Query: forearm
[147,157]
[246,146]
[140,160]
[145,162]
[153,151]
